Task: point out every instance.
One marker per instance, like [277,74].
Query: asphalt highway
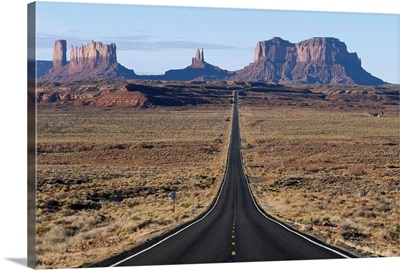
[234,230]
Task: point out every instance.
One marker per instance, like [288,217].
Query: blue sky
[153,39]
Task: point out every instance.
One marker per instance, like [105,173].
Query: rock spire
[198,60]
[60,53]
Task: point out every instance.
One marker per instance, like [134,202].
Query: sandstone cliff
[317,60]
[93,60]
[92,55]
[60,54]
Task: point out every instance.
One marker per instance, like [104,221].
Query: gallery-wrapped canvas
[164,135]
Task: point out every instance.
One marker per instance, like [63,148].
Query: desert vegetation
[110,153]
[329,170]
[105,176]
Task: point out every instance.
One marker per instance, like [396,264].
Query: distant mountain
[42,66]
[314,61]
[199,70]
[320,60]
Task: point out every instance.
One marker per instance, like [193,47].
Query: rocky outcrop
[274,50]
[93,60]
[92,55]
[60,54]
[325,51]
[317,60]
[198,60]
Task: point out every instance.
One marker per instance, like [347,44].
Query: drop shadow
[20,261]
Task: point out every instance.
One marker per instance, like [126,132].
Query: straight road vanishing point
[234,229]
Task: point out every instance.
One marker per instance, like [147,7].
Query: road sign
[174,196]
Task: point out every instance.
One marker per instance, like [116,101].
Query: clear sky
[154,39]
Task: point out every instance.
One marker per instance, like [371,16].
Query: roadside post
[174,197]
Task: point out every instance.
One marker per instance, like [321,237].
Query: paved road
[234,230]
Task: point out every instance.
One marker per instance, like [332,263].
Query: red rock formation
[274,50]
[92,55]
[198,60]
[60,54]
[93,60]
[316,60]
[320,60]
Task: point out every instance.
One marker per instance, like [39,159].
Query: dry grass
[330,173]
[104,177]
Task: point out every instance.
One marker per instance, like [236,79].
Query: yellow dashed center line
[233,251]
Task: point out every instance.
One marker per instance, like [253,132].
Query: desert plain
[323,159]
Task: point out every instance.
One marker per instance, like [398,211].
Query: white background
[13,231]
